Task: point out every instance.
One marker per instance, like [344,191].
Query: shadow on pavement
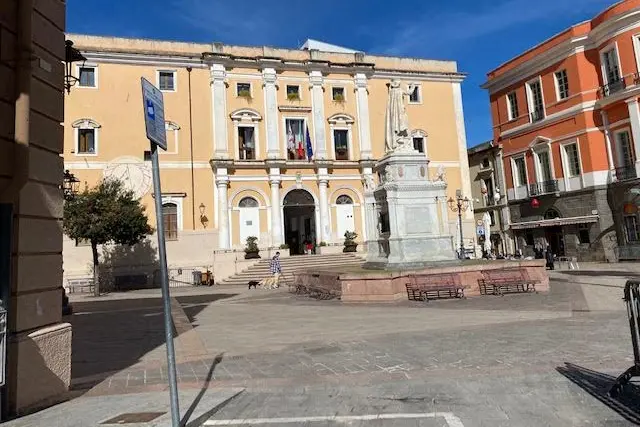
[194,405]
[113,335]
[598,384]
[598,273]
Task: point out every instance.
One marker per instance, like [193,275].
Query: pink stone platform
[362,285]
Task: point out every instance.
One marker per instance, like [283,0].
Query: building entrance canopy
[555,222]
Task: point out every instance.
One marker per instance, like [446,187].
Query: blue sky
[478,34]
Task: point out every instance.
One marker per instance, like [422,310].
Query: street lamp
[459,205]
[69,185]
[71,55]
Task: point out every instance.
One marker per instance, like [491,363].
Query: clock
[134,175]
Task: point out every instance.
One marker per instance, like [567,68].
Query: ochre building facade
[264,142]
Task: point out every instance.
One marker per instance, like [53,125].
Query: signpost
[154,123]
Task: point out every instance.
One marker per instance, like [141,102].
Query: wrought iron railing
[626,172]
[536,115]
[544,187]
[618,85]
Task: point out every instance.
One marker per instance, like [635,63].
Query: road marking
[452,420]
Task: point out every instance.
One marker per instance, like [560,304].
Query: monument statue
[397,123]
[441,175]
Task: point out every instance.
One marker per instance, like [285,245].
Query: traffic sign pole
[153,105]
[168,326]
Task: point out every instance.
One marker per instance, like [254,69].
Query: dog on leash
[253,283]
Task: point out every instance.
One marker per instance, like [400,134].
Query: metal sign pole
[166,302]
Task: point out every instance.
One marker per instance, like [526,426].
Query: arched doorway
[299,220]
[249,218]
[344,215]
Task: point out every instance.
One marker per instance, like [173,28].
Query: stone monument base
[409,252]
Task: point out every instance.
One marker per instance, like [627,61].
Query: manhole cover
[134,418]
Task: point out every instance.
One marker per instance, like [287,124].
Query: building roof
[311,44]
[480,147]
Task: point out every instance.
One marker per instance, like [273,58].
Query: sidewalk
[149,409]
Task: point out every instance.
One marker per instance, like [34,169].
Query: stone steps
[292,265]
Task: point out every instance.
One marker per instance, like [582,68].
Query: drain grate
[134,418]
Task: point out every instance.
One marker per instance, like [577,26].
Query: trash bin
[197,278]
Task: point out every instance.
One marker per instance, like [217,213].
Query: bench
[432,286]
[500,282]
[81,283]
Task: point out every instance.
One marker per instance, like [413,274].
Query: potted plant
[338,97]
[292,96]
[350,244]
[244,93]
[251,251]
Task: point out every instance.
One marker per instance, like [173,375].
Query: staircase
[292,265]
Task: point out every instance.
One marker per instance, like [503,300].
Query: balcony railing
[544,187]
[626,172]
[536,115]
[618,85]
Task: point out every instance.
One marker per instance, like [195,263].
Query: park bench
[80,284]
[500,282]
[432,286]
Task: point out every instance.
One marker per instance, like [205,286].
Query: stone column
[269,78]
[317,106]
[325,224]
[634,118]
[362,108]
[222,183]
[219,111]
[607,139]
[276,220]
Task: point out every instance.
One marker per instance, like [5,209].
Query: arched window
[248,202]
[86,136]
[551,214]
[344,200]
[170,220]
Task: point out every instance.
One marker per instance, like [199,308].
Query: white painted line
[452,420]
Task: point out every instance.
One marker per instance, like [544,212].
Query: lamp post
[459,205]
[69,185]
[71,55]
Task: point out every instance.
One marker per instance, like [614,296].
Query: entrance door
[555,237]
[249,219]
[299,220]
[344,215]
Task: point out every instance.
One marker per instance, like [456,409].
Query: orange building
[566,115]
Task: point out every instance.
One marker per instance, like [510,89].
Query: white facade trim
[601,52]
[95,76]
[219,110]
[86,124]
[175,80]
[549,119]
[170,126]
[265,199]
[530,101]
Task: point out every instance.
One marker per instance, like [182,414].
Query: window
[583,233]
[296,145]
[418,144]
[544,166]
[248,202]
[167,81]
[488,184]
[293,92]
[492,215]
[337,94]
[243,90]
[415,96]
[623,140]
[573,159]
[87,76]
[610,66]
[562,85]
[170,220]
[86,141]
[520,174]
[344,200]
[536,102]
[631,226]
[246,143]
[485,164]
[341,144]
[512,106]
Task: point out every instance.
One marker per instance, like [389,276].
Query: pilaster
[269,78]
[219,111]
[222,185]
[317,107]
[634,118]
[325,224]
[276,208]
[362,106]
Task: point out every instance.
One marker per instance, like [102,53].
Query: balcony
[536,115]
[545,187]
[626,172]
[618,85]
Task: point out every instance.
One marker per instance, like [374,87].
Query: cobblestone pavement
[521,360]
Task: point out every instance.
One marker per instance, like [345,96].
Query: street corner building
[272,143]
[35,342]
[566,118]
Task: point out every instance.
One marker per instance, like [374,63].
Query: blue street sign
[153,105]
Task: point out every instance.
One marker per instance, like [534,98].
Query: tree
[105,214]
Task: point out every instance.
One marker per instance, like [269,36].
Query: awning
[555,222]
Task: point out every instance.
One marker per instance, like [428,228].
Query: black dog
[253,283]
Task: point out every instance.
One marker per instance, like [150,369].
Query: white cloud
[438,29]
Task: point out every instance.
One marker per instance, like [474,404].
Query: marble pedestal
[406,215]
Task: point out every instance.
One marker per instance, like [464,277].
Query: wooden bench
[81,283]
[432,286]
[500,282]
